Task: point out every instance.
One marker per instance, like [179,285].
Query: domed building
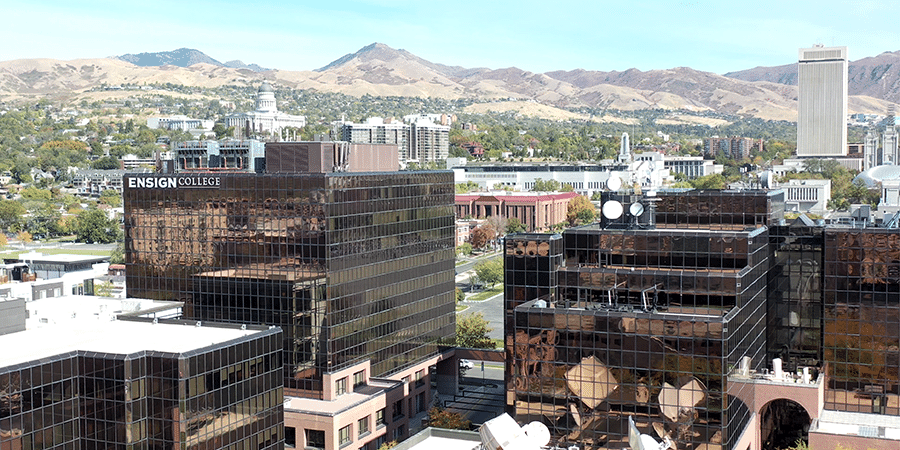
[265,120]
[888,177]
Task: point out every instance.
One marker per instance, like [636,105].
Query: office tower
[822,105]
[356,268]
[130,384]
[889,148]
[352,267]
[870,151]
[720,326]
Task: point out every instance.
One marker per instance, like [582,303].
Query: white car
[466,364]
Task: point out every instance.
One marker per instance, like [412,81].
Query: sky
[539,36]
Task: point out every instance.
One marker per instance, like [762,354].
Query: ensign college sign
[174,182]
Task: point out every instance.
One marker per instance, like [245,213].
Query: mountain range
[379,70]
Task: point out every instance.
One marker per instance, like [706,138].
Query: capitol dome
[265,87]
[877,174]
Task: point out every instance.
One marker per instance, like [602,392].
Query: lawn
[486,294]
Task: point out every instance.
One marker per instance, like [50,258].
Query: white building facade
[266,119]
[822,105]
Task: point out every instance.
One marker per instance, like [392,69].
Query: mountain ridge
[379,70]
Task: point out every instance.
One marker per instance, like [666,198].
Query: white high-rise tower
[822,108]
[624,149]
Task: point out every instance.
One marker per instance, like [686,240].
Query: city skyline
[532,36]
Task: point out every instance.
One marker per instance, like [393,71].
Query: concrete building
[356,268]
[266,122]
[648,171]
[731,147]
[715,324]
[692,166]
[807,196]
[822,106]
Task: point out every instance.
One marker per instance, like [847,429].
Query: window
[420,377]
[362,426]
[359,378]
[340,386]
[420,402]
[344,435]
[315,438]
[399,432]
[379,418]
[398,409]
[290,437]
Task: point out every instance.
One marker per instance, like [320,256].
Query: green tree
[11,213]
[105,163]
[93,225]
[460,295]
[33,193]
[580,211]
[714,181]
[545,186]
[442,418]
[118,254]
[465,188]
[514,225]
[490,271]
[472,331]
[111,197]
[103,289]
[222,131]
[465,248]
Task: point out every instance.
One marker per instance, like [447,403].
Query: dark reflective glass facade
[646,323]
[227,395]
[620,319]
[352,267]
[861,320]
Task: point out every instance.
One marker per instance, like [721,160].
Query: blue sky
[539,36]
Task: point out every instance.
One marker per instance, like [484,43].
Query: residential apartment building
[356,268]
[421,141]
[731,147]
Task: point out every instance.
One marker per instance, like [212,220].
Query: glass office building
[352,266]
[139,385]
[678,321]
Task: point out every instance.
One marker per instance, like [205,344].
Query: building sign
[174,182]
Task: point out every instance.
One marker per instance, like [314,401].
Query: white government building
[266,119]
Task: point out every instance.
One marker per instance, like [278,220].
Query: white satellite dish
[613,183]
[636,209]
[612,209]
[538,433]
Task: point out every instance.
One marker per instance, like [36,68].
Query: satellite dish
[538,433]
[612,209]
[613,183]
[636,209]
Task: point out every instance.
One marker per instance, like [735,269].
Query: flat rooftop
[60,258]
[116,337]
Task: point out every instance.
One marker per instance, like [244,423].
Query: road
[492,308]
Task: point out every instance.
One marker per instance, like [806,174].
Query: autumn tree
[442,418]
[472,331]
[580,211]
[481,236]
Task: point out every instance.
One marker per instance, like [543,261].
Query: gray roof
[877,174]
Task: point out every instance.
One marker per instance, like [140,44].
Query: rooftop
[117,337]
